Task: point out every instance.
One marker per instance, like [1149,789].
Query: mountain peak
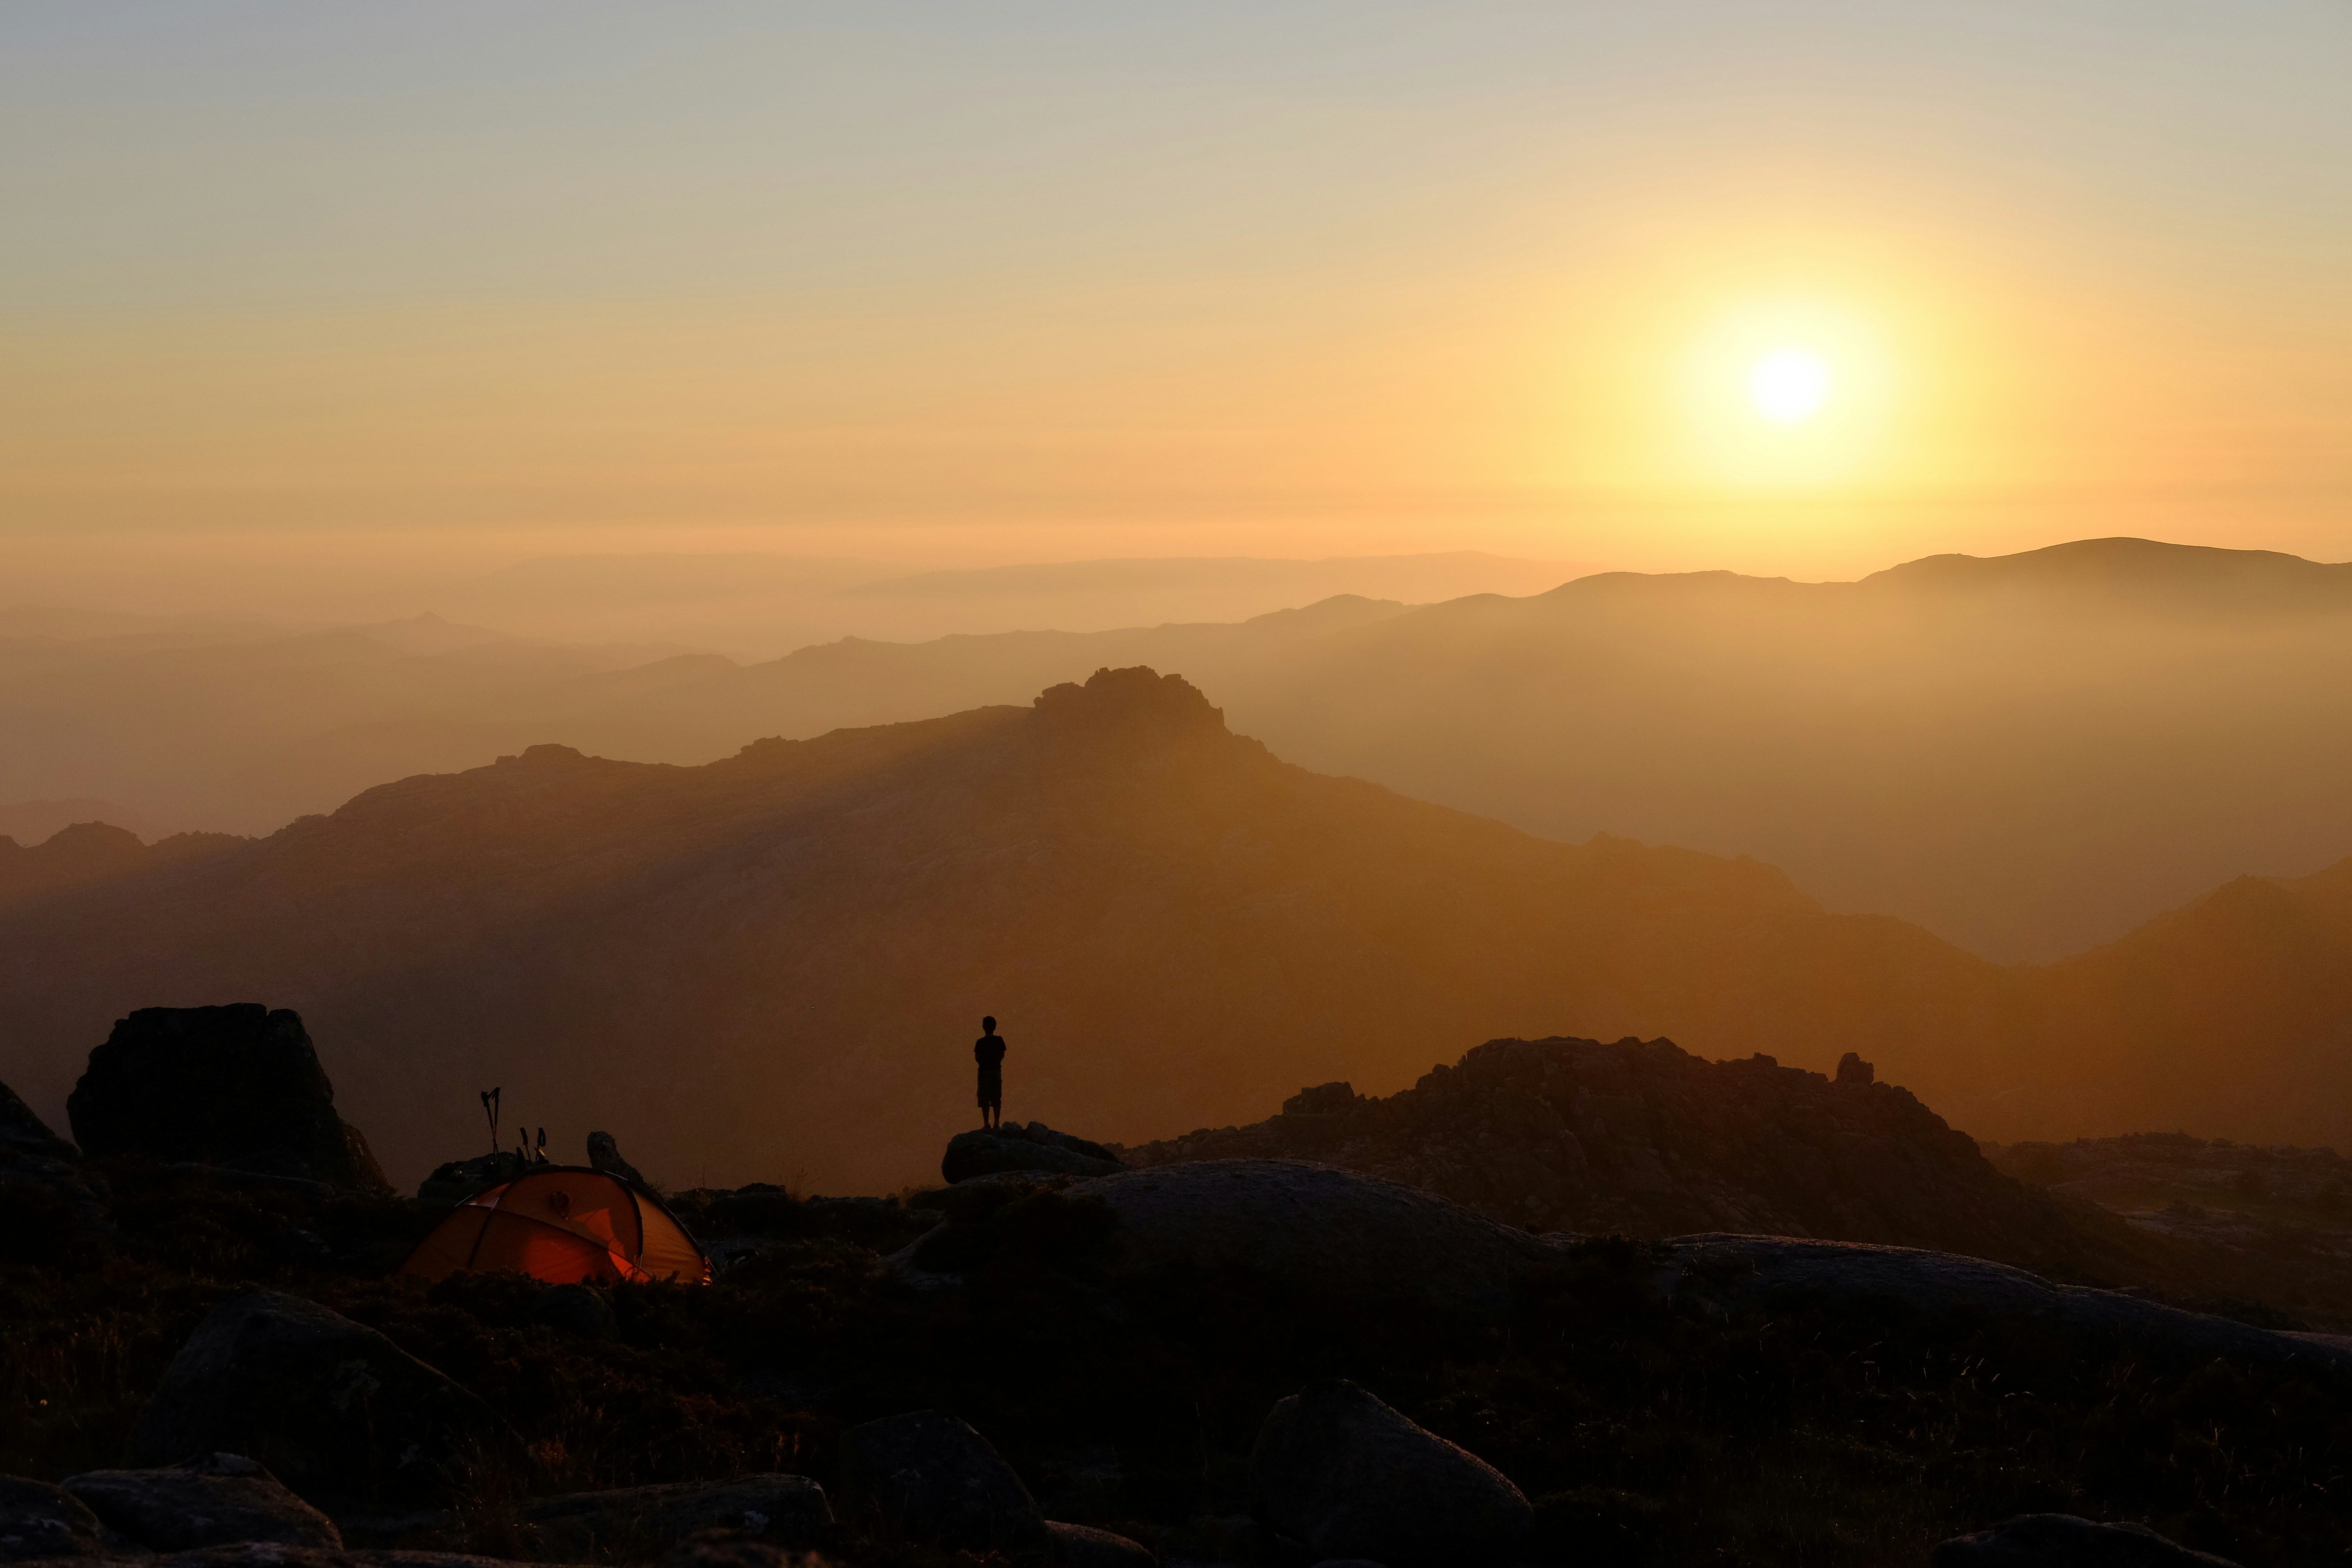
[1139,699]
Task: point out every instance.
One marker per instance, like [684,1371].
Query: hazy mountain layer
[242,729]
[2027,755]
[772,965]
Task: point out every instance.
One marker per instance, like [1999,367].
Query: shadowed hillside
[774,964]
[771,966]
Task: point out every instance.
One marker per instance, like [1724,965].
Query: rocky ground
[1122,1344]
[1060,1358]
[2276,1222]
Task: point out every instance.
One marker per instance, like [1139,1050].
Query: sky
[961,284]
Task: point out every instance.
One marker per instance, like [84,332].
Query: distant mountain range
[771,966]
[2027,755]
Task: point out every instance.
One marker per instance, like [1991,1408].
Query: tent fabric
[566,1225]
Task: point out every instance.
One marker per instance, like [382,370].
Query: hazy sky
[999,281]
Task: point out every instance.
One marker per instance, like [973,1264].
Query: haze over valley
[1033,786]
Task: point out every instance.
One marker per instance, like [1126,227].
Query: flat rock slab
[1316,1226]
[1013,1147]
[212,1499]
[1083,1546]
[789,1510]
[1342,1473]
[1728,1273]
[338,1412]
[2062,1541]
[259,1554]
[37,1520]
[930,1477]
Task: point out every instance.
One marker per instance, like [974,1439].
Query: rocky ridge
[1643,1138]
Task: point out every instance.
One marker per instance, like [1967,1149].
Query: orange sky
[1047,283]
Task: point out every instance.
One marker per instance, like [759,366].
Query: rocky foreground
[1060,1357]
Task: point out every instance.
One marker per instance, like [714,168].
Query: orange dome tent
[566,1225]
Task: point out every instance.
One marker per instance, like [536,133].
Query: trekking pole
[490,1109]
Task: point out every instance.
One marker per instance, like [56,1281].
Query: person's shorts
[992,1089]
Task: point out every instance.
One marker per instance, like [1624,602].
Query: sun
[1789,386]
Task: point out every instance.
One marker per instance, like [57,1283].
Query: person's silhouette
[989,1052]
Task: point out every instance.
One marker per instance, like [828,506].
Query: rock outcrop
[1644,1139]
[1083,1546]
[777,1509]
[929,1477]
[1348,1477]
[2062,1541]
[994,1151]
[1316,1228]
[1727,1275]
[340,1412]
[237,1086]
[39,1521]
[34,1159]
[211,1499]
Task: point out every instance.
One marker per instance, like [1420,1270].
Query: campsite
[1054,1355]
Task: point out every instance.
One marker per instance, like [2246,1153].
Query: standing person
[989,1052]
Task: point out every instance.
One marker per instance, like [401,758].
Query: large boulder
[212,1499]
[37,1520]
[642,1521]
[2062,1541]
[1318,1227]
[1731,1274]
[929,1477]
[1345,1475]
[33,1159]
[239,1086]
[343,1415]
[990,1152]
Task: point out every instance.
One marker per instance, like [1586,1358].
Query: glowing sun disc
[1789,386]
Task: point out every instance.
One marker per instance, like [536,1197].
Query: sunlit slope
[772,965]
[2027,755]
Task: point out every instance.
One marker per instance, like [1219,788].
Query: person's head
[988,1025]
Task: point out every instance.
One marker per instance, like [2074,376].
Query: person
[989,1052]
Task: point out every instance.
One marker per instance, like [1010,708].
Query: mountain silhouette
[2028,755]
[768,967]
[771,966]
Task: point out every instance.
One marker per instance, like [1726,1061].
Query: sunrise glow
[1789,386]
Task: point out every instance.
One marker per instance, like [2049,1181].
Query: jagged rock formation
[1643,1139]
[239,1086]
